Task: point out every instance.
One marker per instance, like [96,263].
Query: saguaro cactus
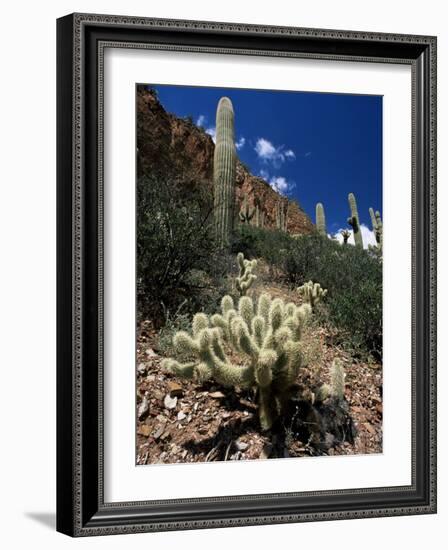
[224,171]
[345,235]
[377,226]
[320,219]
[246,212]
[282,214]
[354,220]
[268,333]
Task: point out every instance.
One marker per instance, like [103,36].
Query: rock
[170,402]
[175,389]
[241,445]
[195,406]
[144,430]
[165,435]
[217,395]
[144,407]
[181,416]
[369,427]
[150,353]
[156,435]
[141,368]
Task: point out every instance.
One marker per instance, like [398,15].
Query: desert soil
[180,421]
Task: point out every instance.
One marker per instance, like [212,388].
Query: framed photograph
[246,274]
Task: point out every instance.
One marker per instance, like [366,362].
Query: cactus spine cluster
[312,293]
[282,215]
[320,219]
[245,277]
[224,172]
[377,226]
[246,212]
[267,333]
[354,220]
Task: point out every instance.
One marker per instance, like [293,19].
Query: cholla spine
[354,220]
[268,332]
[320,219]
[246,277]
[224,172]
[312,293]
[246,212]
[377,226]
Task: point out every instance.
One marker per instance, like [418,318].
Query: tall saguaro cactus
[377,226]
[282,214]
[320,219]
[224,171]
[354,220]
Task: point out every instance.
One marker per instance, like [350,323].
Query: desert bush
[353,278]
[177,259]
[258,242]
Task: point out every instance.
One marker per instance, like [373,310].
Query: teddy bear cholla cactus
[312,293]
[245,277]
[267,333]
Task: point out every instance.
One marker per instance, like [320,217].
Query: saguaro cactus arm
[377,226]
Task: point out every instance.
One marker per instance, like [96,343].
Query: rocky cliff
[171,143]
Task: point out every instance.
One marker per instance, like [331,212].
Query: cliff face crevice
[177,145]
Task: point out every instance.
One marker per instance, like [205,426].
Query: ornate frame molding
[81,42]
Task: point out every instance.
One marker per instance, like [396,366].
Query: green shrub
[257,242]
[177,259]
[353,277]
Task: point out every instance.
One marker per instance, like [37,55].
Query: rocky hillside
[168,142]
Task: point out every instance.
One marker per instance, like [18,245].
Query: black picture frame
[81,510]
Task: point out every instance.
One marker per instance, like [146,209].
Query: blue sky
[312,147]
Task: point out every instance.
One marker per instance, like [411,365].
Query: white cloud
[240,143]
[264,174]
[201,120]
[268,152]
[281,184]
[368,236]
[211,132]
